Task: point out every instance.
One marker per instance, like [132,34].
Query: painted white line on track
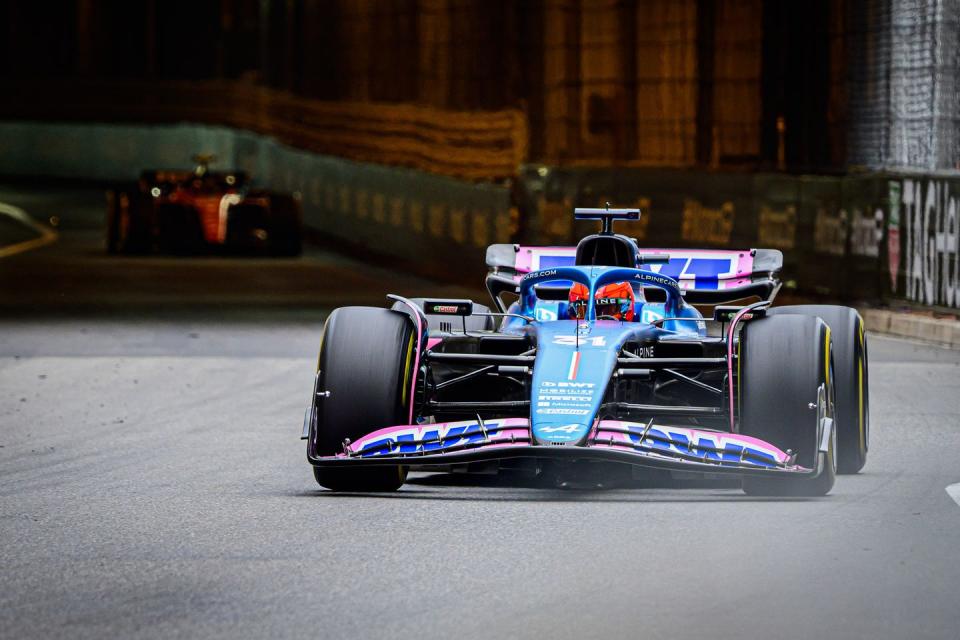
[46,235]
[954,492]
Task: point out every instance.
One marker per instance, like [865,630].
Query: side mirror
[554,293]
[726,313]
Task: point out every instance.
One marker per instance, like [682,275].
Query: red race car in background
[201,211]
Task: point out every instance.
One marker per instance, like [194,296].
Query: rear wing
[706,276]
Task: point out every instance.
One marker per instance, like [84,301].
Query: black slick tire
[179,230]
[366,366]
[127,227]
[113,221]
[851,382]
[783,361]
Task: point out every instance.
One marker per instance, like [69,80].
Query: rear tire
[127,225]
[113,222]
[783,361]
[851,383]
[365,364]
[180,231]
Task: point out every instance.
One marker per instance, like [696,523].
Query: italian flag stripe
[574,365]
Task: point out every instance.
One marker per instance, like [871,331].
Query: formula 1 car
[594,359]
[201,211]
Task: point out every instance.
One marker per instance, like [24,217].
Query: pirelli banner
[855,237]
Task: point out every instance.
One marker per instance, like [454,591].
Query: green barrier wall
[435,224]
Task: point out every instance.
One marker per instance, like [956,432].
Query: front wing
[633,443]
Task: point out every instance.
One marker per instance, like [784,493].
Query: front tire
[783,362]
[851,383]
[365,364]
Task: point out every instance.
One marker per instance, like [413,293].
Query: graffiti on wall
[929,219]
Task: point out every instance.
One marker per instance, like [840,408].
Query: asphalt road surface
[153,485]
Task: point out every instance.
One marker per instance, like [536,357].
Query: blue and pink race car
[595,361]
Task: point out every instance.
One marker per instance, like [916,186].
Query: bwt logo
[706,448]
[426,439]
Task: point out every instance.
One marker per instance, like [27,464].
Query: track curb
[939,331]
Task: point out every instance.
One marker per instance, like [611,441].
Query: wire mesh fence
[903,84]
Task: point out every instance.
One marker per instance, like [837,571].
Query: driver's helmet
[614,300]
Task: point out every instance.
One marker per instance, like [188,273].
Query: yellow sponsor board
[830,232]
[416,216]
[436,219]
[396,212]
[479,231]
[379,208]
[504,226]
[458,225]
[706,224]
[639,229]
[557,218]
[329,197]
[363,204]
[778,228]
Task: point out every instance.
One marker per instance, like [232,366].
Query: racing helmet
[577,299]
[613,300]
